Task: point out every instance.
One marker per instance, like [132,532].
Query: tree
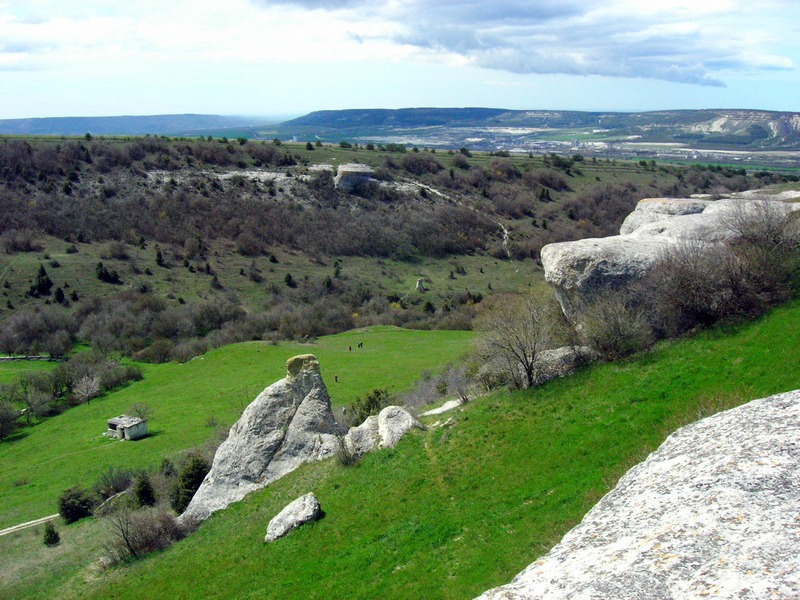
[42,286]
[8,419]
[515,330]
[86,388]
[189,480]
[76,503]
[51,537]
[143,490]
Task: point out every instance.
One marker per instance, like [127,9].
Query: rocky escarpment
[288,424]
[712,513]
[582,270]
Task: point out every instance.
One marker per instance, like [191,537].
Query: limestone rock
[350,176]
[303,510]
[560,362]
[581,270]
[651,210]
[712,513]
[393,423]
[383,431]
[288,424]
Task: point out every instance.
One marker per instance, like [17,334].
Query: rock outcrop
[350,176]
[712,513]
[581,270]
[382,431]
[303,510]
[288,424]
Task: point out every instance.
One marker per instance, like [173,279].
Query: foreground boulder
[381,431]
[712,513]
[299,512]
[582,270]
[288,424]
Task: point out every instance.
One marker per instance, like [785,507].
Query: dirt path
[33,523]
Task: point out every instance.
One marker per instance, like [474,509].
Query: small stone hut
[125,427]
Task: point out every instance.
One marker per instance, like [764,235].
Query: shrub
[137,532]
[113,481]
[75,503]
[143,491]
[189,480]
[51,536]
[8,419]
[614,328]
[370,404]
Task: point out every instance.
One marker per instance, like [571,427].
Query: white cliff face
[580,270]
[714,512]
[288,424]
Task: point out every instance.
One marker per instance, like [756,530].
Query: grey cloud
[554,36]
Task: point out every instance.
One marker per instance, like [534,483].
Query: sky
[282,58]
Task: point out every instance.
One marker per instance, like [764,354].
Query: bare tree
[141,410]
[514,332]
[86,388]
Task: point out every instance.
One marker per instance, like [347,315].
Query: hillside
[452,511]
[723,129]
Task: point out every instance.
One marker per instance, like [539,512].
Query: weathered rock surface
[288,424]
[382,431]
[350,176]
[560,362]
[712,513]
[581,270]
[652,210]
[298,512]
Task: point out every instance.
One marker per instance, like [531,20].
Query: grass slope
[456,510]
[38,465]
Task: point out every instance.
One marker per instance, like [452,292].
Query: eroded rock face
[581,270]
[652,210]
[350,176]
[303,510]
[382,431]
[288,424]
[712,513]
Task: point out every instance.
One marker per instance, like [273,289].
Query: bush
[113,481]
[8,419]
[370,404]
[189,480]
[137,532]
[614,328]
[51,536]
[143,490]
[75,503]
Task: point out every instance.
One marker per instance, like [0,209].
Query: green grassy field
[42,461]
[451,511]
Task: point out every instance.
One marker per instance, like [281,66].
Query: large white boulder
[288,424]
[382,431]
[298,512]
[713,513]
[581,270]
[652,210]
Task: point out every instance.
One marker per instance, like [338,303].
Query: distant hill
[539,131]
[486,128]
[124,125]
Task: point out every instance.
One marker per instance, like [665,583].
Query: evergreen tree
[143,489]
[42,285]
[51,536]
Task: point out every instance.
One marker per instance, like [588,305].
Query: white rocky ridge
[714,512]
[288,424]
[581,270]
[303,510]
